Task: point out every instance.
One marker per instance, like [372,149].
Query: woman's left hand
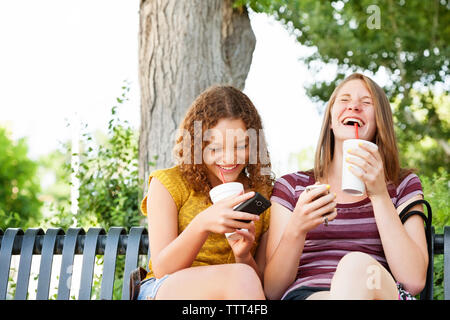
[368,159]
[242,245]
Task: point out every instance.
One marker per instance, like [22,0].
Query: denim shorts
[149,288]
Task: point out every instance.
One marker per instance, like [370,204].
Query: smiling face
[353,104]
[357,99]
[227,152]
[199,160]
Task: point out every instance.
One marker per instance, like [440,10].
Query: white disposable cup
[223,191]
[351,184]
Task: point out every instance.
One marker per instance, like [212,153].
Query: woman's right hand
[312,207]
[221,218]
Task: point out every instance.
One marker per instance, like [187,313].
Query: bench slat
[68,255]
[45,268]
[26,256]
[87,271]
[6,250]
[131,258]
[109,265]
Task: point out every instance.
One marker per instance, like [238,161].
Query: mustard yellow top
[216,249]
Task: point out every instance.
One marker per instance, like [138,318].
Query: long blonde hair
[384,135]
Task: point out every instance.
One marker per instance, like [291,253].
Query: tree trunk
[185,47]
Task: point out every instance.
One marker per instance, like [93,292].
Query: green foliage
[438,290]
[52,167]
[109,185]
[432,119]
[55,185]
[343,33]
[108,174]
[437,193]
[19,185]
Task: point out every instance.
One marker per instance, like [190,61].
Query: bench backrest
[116,242]
[75,242]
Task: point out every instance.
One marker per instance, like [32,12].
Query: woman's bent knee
[244,274]
[242,269]
[243,282]
[353,270]
[225,281]
[356,261]
[359,276]
[357,256]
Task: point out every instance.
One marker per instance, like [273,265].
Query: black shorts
[303,292]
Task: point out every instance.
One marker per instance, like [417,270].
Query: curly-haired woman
[220,138]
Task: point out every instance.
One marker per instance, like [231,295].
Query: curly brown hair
[212,105]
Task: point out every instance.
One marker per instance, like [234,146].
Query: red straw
[221,174]
[356,130]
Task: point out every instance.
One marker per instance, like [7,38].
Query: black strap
[404,215]
[412,213]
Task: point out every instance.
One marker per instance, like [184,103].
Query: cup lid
[354,141]
[226,188]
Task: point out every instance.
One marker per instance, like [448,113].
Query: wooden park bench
[116,242]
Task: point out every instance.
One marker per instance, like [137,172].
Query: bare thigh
[359,276]
[321,295]
[224,281]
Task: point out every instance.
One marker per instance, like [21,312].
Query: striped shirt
[354,229]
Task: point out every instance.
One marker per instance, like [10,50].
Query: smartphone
[315,186]
[255,205]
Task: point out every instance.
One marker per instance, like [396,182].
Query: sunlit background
[63,62]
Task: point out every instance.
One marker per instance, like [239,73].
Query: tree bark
[185,47]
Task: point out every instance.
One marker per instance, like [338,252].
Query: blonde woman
[326,244]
